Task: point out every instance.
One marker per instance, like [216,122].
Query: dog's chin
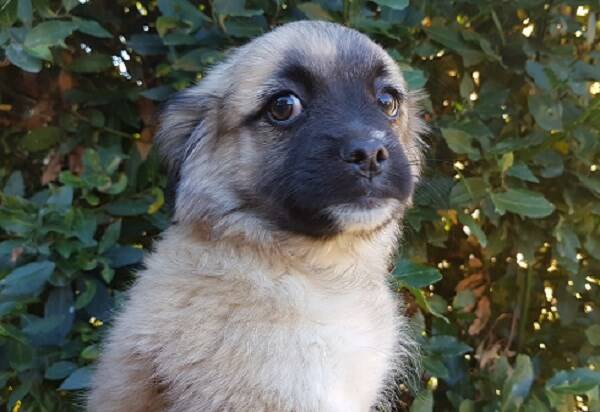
[365,214]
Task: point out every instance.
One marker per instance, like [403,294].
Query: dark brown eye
[284,108]
[389,103]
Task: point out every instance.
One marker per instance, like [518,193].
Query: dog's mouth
[369,202]
[365,214]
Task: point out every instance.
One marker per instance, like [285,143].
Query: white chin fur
[356,218]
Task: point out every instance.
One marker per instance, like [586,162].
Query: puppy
[293,162]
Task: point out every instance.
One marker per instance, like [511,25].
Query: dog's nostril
[368,156]
[358,156]
[382,154]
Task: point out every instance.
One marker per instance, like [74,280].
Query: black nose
[368,156]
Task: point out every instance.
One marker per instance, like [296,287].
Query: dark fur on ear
[180,131]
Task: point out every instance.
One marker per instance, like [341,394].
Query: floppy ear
[183,122]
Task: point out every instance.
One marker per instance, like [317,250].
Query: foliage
[509,213]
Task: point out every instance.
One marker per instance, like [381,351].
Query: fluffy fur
[235,312]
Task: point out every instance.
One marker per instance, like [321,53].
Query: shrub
[501,258]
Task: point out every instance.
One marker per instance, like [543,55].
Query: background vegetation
[502,260]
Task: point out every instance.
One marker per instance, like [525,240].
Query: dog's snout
[368,157]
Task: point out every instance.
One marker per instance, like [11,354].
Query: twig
[103,128]
[499,27]
[523,307]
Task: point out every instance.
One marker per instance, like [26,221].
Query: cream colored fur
[212,326]
[232,314]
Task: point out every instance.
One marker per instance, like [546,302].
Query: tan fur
[232,314]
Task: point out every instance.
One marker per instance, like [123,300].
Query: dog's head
[309,129]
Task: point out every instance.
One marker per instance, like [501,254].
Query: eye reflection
[285,108]
[388,102]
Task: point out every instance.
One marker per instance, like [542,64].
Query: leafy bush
[509,213]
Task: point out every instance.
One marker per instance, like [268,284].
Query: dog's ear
[184,122]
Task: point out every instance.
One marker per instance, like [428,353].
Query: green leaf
[244,28]
[182,10]
[423,402]
[446,345]
[79,379]
[523,172]
[41,138]
[415,79]
[506,161]
[27,280]
[60,370]
[20,58]
[120,256]
[88,293]
[551,162]
[466,87]
[70,4]
[196,60]
[567,241]
[451,38]
[110,237]
[414,275]
[60,198]
[546,111]
[84,227]
[49,33]
[427,305]
[9,331]
[130,207]
[463,299]
[159,93]
[517,143]
[592,245]
[91,352]
[474,228]
[593,334]
[15,185]
[314,11]
[393,4]
[537,72]
[115,187]
[435,367]
[575,382]
[460,142]
[467,405]
[147,44]
[522,202]
[235,8]
[17,394]
[41,52]
[468,191]
[535,405]
[91,63]
[59,305]
[164,24]
[517,386]
[91,27]
[591,183]
[40,331]
[447,36]
[21,356]
[25,11]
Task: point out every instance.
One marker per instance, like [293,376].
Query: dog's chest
[356,336]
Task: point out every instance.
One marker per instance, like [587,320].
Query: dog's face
[309,129]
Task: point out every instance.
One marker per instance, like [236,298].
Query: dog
[292,163]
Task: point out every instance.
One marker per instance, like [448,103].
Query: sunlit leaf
[522,202]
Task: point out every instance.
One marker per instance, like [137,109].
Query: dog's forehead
[326,51]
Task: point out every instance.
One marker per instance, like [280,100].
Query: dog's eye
[389,103]
[285,107]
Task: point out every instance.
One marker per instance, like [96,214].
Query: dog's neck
[342,259]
